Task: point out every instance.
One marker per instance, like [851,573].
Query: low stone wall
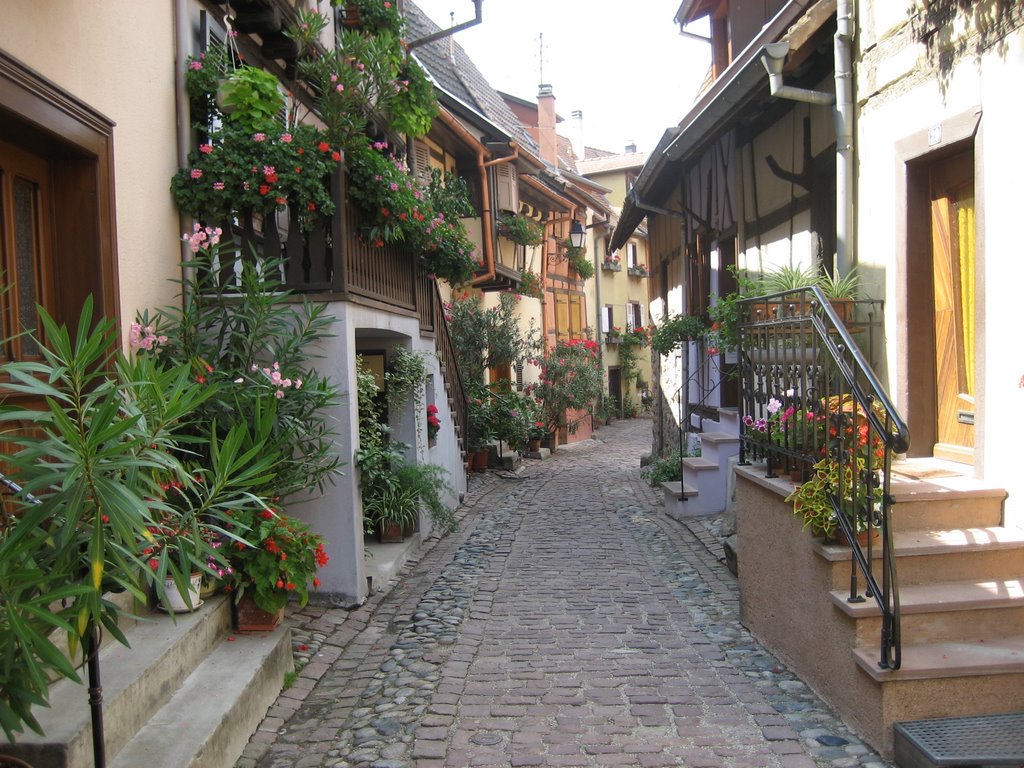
[785,603]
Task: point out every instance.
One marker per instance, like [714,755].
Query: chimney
[546,125]
[631,148]
[577,134]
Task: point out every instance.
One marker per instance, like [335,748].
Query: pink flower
[195,65]
[259,137]
[339,88]
[286,138]
[206,148]
[218,185]
[279,394]
[196,173]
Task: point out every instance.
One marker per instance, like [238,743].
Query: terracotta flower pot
[480,460]
[249,617]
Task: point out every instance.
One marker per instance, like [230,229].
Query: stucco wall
[118,57]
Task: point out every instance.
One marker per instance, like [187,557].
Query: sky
[623,64]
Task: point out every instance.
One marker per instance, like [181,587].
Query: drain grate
[988,740]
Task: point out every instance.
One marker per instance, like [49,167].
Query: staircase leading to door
[188,693]
[706,478]
[961,590]
[960,581]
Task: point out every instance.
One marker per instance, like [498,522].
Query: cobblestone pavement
[568,622]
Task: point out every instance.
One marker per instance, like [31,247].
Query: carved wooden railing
[335,262]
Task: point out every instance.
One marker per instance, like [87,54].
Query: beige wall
[118,57]
[901,95]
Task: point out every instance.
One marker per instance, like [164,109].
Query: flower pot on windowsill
[611,267]
[612,339]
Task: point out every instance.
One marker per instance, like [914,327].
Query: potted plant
[611,263]
[278,559]
[613,335]
[530,285]
[674,331]
[433,424]
[812,500]
[521,230]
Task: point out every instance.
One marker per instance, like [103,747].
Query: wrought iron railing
[810,401]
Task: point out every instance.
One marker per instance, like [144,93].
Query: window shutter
[421,161]
[606,318]
[508,190]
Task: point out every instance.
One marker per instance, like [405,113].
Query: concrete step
[729,421]
[211,717]
[136,681]
[718,447]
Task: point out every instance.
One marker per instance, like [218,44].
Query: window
[569,315]
[631,254]
[634,315]
[607,320]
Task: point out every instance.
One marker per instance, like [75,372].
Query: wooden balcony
[333,262]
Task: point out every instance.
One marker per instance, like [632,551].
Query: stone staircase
[960,578]
[187,693]
[706,478]
[961,588]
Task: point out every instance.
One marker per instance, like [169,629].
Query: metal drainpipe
[183,133]
[844,136]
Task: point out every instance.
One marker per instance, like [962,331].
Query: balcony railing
[808,393]
[335,263]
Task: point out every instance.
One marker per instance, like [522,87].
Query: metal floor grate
[988,740]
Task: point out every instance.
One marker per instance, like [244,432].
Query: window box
[637,271]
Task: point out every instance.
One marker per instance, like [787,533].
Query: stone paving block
[568,621]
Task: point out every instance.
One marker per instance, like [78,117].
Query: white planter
[173,600]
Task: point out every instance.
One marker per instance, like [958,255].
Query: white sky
[623,64]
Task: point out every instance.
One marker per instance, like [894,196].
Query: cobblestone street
[567,622]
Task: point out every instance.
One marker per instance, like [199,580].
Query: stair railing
[432,318]
[810,401]
[707,365]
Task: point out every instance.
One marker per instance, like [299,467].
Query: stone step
[924,556]
[945,503]
[211,717]
[944,611]
[136,682]
[718,447]
[935,661]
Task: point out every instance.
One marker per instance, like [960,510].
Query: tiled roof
[460,77]
[612,162]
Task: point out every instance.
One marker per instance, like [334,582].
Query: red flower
[323,146]
[264,189]
[336,156]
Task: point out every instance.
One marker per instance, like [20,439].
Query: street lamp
[577,234]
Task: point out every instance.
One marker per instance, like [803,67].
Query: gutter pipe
[450,121]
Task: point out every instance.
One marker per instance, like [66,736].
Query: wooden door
[953,273]
[26,264]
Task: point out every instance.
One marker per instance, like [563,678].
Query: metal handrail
[809,393]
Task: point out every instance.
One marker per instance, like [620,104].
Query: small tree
[570,379]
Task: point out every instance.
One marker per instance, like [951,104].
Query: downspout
[459,130]
[774,57]
[183,133]
[844,137]
[486,215]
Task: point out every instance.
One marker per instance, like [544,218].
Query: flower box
[610,266]
[637,271]
[612,339]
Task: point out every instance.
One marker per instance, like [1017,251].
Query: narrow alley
[568,622]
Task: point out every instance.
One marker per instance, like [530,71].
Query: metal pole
[92,648]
